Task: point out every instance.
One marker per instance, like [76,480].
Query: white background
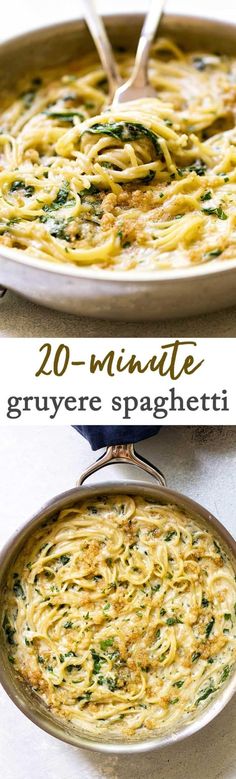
[20,360]
[36,464]
[20,15]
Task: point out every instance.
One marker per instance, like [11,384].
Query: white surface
[37,463]
[18,317]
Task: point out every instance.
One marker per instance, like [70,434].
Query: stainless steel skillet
[107,294]
[21,695]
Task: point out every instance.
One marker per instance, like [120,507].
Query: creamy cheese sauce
[120,614]
[149,185]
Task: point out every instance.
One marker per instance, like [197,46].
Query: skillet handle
[123,453]
[119,441]
[117,451]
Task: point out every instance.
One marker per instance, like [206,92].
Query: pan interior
[30,703]
[57,45]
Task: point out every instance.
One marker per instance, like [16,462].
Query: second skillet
[116,452]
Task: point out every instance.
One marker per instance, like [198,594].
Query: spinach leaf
[214,253]
[170,535]
[64,559]
[217,211]
[66,116]
[205,694]
[83,194]
[60,200]
[199,167]
[127,132]
[70,654]
[8,630]
[27,190]
[106,643]
[97,661]
[218,549]
[209,627]
[109,681]
[195,656]
[206,196]
[17,587]
[85,697]
[71,668]
[225,673]
[57,229]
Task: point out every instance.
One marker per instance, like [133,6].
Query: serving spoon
[137,85]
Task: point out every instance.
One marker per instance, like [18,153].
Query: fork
[137,85]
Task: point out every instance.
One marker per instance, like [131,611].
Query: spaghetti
[120,614]
[148,185]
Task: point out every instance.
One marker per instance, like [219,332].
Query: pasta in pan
[148,185]
[120,614]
